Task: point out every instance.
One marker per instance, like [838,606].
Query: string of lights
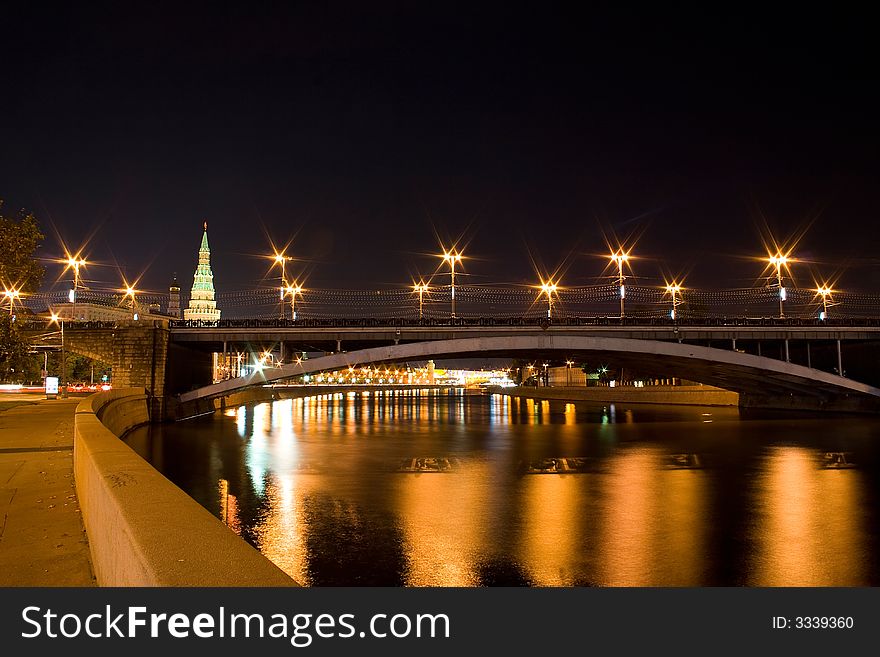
[502,301]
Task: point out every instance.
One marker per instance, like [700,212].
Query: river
[440,488]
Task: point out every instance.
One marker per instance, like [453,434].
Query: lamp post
[131,292]
[59,321]
[824,291]
[12,295]
[619,259]
[421,288]
[675,290]
[549,288]
[452,257]
[293,290]
[75,262]
[779,261]
[568,365]
[281,259]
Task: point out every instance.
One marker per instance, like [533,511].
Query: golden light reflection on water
[442,541]
[653,522]
[626,524]
[806,519]
[553,525]
[319,476]
[281,533]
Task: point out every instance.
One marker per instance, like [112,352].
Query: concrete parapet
[142,529]
[685,395]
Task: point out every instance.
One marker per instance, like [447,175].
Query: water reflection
[641,496]
[806,518]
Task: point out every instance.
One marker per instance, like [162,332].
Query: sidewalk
[42,540]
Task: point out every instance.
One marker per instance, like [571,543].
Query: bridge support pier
[809,360]
[839,360]
[338,346]
[787,358]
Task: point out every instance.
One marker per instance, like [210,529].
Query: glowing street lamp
[293,290]
[452,257]
[568,365]
[421,288]
[75,262]
[282,259]
[779,261]
[59,321]
[549,288]
[675,290]
[620,258]
[824,291]
[131,292]
[12,295]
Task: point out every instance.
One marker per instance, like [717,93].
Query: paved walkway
[42,540]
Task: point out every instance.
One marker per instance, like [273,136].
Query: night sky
[360,131]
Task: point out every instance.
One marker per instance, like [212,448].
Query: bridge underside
[759,380]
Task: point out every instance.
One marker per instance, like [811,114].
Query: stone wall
[697,395]
[142,529]
[137,352]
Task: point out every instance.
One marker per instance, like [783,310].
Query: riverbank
[696,395]
[42,538]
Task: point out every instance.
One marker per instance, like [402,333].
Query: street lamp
[421,287]
[12,295]
[75,262]
[824,291]
[779,261]
[549,288]
[59,321]
[619,259]
[130,292]
[293,290]
[675,290]
[452,257]
[281,259]
[568,364]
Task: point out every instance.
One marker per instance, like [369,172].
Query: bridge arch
[743,373]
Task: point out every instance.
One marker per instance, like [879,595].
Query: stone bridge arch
[761,381]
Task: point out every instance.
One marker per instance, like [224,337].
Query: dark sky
[358,130]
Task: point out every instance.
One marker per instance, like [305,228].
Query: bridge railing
[541,322]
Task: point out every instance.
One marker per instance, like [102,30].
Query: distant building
[201,302]
[174,298]
[98,312]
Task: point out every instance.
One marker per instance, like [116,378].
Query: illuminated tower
[201,302]
[174,298]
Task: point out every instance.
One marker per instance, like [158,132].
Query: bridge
[792,362]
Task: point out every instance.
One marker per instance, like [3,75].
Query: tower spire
[202,305]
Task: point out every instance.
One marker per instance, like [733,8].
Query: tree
[19,240]
[13,351]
